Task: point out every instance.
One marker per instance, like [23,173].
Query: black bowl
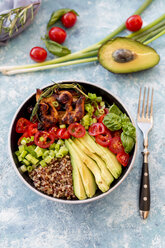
[22,112]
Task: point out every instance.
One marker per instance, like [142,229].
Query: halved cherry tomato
[32,129]
[24,135]
[100,120]
[43,139]
[116,145]
[123,158]
[76,130]
[96,128]
[63,133]
[104,138]
[53,131]
[117,133]
[69,19]
[134,23]
[22,125]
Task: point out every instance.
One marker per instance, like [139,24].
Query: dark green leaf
[128,142]
[55,48]
[129,130]
[124,119]
[56,15]
[112,121]
[114,109]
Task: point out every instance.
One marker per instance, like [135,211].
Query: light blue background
[29,221]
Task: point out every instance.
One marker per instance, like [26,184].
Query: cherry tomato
[22,125]
[32,129]
[76,130]
[53,131]
[123,158]
[24,135]
[38,54]
[134,23]
[104,138]
[69,19]
[43,139]
[117,133]
[57,34]
[63,133]
[96,128]
[100,120]
[116,145]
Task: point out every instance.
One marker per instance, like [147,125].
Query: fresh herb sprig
[50,90]
[14,17]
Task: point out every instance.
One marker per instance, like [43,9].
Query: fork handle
[144,199]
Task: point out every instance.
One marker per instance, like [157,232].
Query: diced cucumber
[31,159]
[48,159]
[31,150]
[43,163]
[39,151]
[26,162]
[21,148]
[23,154]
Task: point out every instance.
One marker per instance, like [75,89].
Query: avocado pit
[123,55]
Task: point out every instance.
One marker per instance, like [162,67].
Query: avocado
[125,55]
[109,158]
[91,164]
[77,181]
[106,175]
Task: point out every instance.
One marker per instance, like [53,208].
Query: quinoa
[55,179]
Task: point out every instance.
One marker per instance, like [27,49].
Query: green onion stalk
[146,35]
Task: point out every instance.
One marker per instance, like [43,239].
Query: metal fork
[145,123]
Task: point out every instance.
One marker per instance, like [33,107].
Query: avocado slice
[125,55]
[106,175]
[78,186]
[109,158]
[91,164]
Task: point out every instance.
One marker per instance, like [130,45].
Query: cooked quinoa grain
[55,179]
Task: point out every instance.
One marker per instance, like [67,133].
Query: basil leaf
[124,119]
[55,48]
[129,130]
[112,121]
[128,142]
[56,15]
[114,109]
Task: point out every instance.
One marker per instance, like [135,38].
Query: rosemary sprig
[14,16]
[50,90]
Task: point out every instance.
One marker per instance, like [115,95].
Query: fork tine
[139,102]
[143,102]
[147,108]
[151,112]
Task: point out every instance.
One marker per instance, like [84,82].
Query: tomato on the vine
[62,133]
[69,19]
[76,130]
[116,145]
[96,128]
[38,54]
[57,34]
[134,23]
[123,158]
[22,125]
[43,139]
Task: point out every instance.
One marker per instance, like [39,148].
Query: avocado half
[125,55]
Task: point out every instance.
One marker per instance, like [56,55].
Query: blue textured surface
[26,219]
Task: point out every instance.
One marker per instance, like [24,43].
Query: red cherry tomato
[63,133]
[76,130]
[123,158]
[57,34]
[32,129]
[116,133]
[22,125]
[24,135]
[96,128]
[116,145]
[53,131]
[38,54]
[43,139]
[134,23]
[69,19]
[100,120]
[104,138]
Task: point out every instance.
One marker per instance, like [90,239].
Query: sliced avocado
[91,164]
[125,55]
[109,158]
[106,175]
[77,181]
[86,175]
